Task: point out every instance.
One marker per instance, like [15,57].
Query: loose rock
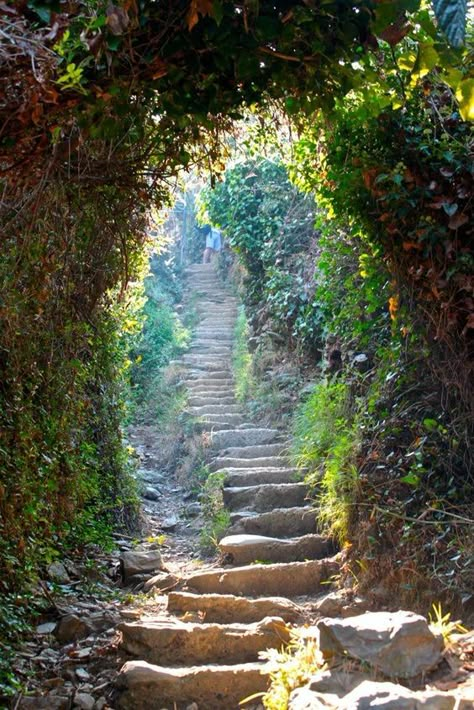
[140,562]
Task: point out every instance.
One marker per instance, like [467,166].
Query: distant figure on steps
[213,242]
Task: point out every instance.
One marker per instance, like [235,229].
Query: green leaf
[451,15]
[411,479]
[217,11]
[465,97]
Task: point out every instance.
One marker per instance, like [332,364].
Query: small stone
[46,628]
[160,582]
[84,701]
[151,493]
[193,706]
[193,509]
[72,628]
[340,603]
[57,572]
[100,703]
[169,523]
[82,675]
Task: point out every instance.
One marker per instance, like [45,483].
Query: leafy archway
[103,105]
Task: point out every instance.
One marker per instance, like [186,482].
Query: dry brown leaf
[196,8]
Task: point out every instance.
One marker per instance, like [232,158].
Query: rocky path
[202,651]
[272,553]
[191,638]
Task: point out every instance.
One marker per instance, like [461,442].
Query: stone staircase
[205,649]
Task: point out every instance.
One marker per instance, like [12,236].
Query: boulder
[151,493]
[58,573]
[399,644]
[72,628]
[389,696]
[140,562]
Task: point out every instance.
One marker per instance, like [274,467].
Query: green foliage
[325,444]
[269,224]
[216,516]
[17,612]
[290,668]
[242,360]
[161,338]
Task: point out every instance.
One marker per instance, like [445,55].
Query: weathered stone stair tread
[239,438]
[227,608]
[173,642]
[257,451]
[245,549]
[281,522]
[265,496]
[223,462]
[216,409]
[236,477]
[291,579]
[198,401]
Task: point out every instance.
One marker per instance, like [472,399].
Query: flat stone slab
[400,644]
[220,687]
[261,462]
[281,522]
[290,580]
[266,496]
[228,608]
[256,451]
[203,400]
[241,477]
[221,408]
[245,549]
[239,437]
[173,642]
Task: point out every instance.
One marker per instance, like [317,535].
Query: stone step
[173,642]
[265,497]
[219,418]
[205,366]
[201,390]
[219,334]
[216,409]
[202,401]
[281,522]
[204,425]
[245,549]
[243,477]
[227,608]
[251,452]
[198,353]
[290,579]
[210,356]
[221,440]
[223,462]
[219,376]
